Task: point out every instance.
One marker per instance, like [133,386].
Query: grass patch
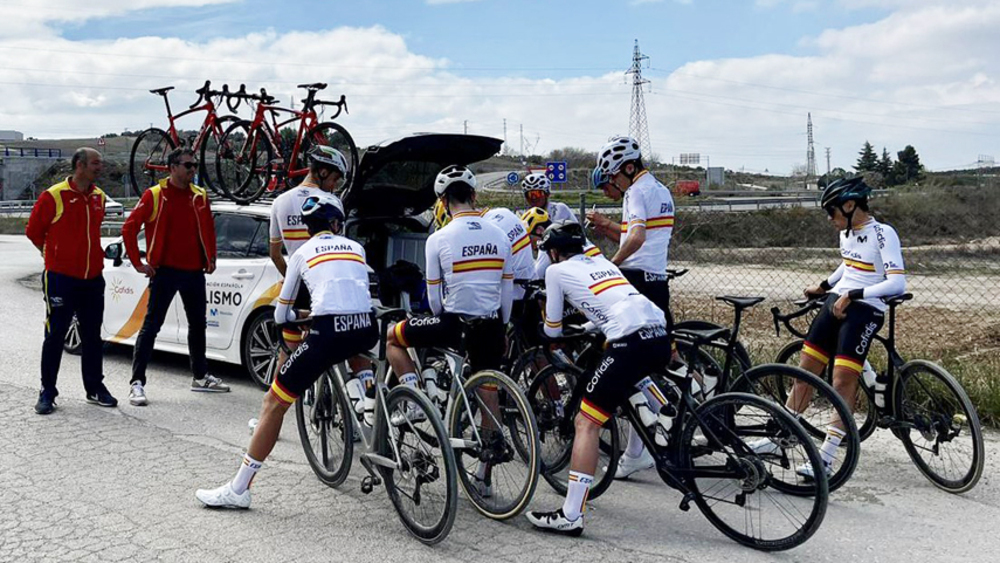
[13,225]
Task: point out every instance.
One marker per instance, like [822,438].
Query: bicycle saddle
[390,312]
[702,336]
[896,300]
[162,91]
[316,86]
[740,302]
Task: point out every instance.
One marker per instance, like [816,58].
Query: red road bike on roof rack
[254,159]
[148,160]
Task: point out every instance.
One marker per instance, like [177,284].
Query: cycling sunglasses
[829,210]
[189,165]
[535,194]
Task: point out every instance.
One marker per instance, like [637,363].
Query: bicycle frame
[209,124]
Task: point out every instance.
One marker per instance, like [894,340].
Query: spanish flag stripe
[891,272]
[286,301]
[607,287]
[660,222]
[433,282]
[398,331]
[508,276]
[473,265]
[348,256]
[815,352]
[594,251]
[857,265]
[553,324]
[282,394]
[846,362]
[602,282]
[520,244]
[593,413]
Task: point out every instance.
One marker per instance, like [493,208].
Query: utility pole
[466,123]
[638,128]
[505,150]
[810,149]
[522,140]
[827,161]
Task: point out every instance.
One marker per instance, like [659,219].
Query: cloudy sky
[731,79]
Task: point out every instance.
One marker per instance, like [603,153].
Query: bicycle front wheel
[495,438]
[944,438]
[733,485]
[243,162]
[815,405]
[148,161]
[323,415]
[423,487]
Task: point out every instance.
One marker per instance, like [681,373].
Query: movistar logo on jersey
[479,250]
[863,239]
[474,226]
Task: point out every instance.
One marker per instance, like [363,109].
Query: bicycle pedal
[369,483]
[686,502]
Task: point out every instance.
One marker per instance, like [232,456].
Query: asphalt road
[93,484]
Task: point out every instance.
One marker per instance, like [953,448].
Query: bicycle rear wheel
[423,487]
[495,438]
[147,162]
[243,164]
[945,440]
[209,153]
[323,415]
[732,485]
[549,395]
[863,409]
[826,407]
[329,134]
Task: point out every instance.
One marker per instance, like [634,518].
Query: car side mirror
[114,252]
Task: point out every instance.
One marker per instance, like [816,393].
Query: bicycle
[492,428]
[148,158]
[706,455]
[413,458]
[925,407]
[255,158]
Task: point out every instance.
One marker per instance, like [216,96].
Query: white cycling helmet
[536,181]
[322,208]
[329,156]
[451,175]
[618,150]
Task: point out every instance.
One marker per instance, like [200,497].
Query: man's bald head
[82,156]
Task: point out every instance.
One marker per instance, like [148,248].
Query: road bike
[411,455]
[923,405]
[148,158]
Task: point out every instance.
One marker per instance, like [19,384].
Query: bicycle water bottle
[881,385]
[641,407]
[868,375]
[356,392]
[369,406]
[664,422]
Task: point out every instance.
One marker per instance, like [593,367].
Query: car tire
[72,343]
[260,334]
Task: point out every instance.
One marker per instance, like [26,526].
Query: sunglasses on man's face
[829,210]
[189,165]
[535,194]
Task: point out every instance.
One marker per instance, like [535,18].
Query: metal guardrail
[32,152]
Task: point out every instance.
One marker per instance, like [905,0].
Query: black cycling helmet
[842,190]
[563,236]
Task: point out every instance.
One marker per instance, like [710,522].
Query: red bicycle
[148,160]
[254,157]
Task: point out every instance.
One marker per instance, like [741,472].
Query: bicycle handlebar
[674,274]
[806,306]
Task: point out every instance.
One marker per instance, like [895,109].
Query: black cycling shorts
[849,339]
[483,337]
[626,362]
[332,339]
[303,301]
[654,287]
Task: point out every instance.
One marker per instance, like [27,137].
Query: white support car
[387,205]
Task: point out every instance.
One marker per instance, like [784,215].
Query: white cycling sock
[410,379]
[245,475]
[366,377]
[576,497]
[833,437]
[635,445]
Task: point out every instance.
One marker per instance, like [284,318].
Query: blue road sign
[513,178]
[556,171]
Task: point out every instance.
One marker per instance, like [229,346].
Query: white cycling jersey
[648,203]
[334,271]
[872,261]
[542,261]
[559,211]
[597,289]
[522,262]
[286,217]
[469,268]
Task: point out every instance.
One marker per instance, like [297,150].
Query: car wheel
[72,342]
[260,347]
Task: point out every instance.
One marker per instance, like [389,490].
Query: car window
[234,234]
[261,240]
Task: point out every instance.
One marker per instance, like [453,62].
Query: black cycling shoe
[46,402]
[102,398]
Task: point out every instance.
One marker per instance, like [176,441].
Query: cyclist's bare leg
[272,413]
[585,445]
[396,353]
[362,367]
[845,383]
[802,393]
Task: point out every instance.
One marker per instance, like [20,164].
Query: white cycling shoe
[764,446]
[223,497]
[410,412]
[629,465]
[556,522]
[806,471]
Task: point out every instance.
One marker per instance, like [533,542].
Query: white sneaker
[137,395]
[210,384]
[556,522]
[224,497]
[629,465]
[410,412]
[764,446]
[806,471]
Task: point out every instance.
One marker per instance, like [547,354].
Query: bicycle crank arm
[462,444]
[369,460]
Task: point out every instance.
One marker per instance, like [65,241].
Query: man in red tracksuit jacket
[180,250]
[65,225]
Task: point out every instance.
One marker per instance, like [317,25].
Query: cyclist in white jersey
[536,188]
[535,221]
[637,344]
[470,284]
[522,262]
[333,270]
[871,268]
[644,238]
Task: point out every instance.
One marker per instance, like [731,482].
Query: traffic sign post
[556,171]
[513,178]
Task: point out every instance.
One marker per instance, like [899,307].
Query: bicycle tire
[770,381]
[208,154]
[520,460]
[330,416]
[912,408]
[243,165]
[865,413]
[151,147]
[433,429]
[339,139]
[526,366]
[558,429]
[725,441]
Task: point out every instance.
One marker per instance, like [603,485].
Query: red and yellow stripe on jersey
[592,251]
[397,331]
[660,222]
[330,256]
[520,244]
[295,234]
[293,336]
[848,363]
[891,272]
[477,265]
[283,395]
[604,285]
[552,324]
[593,413]
[859,265]
[811,350]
